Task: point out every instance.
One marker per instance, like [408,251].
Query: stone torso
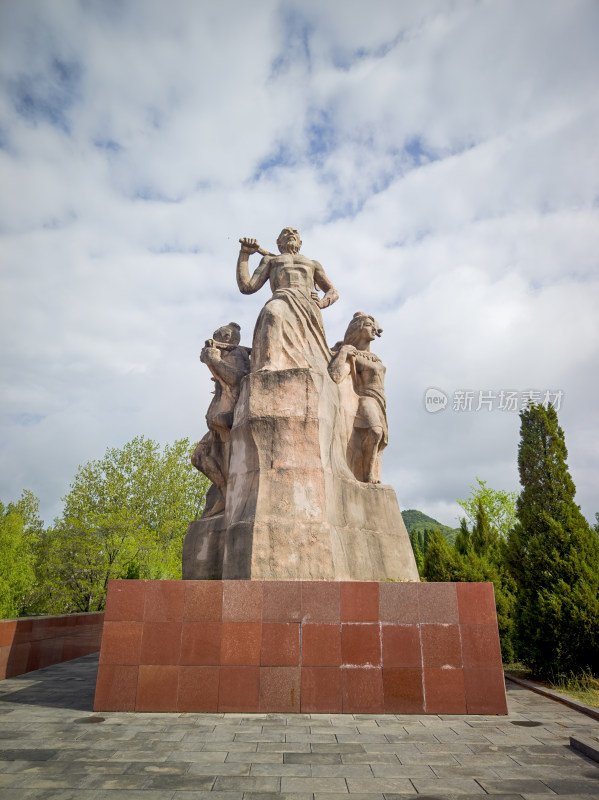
[220,411]
[291,271]
[370,372]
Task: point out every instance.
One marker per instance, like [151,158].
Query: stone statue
[353,360]
[228,363]
[289,332]
[296,432]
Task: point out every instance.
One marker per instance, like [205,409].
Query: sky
[439,158]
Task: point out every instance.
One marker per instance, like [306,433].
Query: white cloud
[438,159]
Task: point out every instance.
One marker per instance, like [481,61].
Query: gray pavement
[52,745]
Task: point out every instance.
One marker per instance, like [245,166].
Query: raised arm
[322,281]
[246,284]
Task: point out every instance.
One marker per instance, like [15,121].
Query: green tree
[18,524]
[440,561]
[463,542]
[553,556]
[124,516]
[415,541]
[498,505]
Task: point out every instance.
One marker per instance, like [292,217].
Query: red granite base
[291,646]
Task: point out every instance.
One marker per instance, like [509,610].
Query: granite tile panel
[361,644]
[242,601]
[125,601]
[359,601]
[321,601]
[121,643]
[398,602]
[198,688]
[362,690]
[241,643]
[403,691]
[282,601]
[280,690]
[203,601]
[444,691]
[161,643]
[441,645]
[116,688]
[164,601]
[321,645]
[437,602]
[157,688]
[321,690]
[280,644]
[201,643]
[401,646]
[239,689]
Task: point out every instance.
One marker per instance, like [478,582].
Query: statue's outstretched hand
[249,245]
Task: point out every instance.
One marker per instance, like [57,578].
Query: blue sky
[439,159]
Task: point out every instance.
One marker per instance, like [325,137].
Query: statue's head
[229,334]
[362,326]
[289,241]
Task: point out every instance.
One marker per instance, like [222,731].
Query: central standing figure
[289,332]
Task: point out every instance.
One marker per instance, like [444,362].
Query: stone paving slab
[53,747]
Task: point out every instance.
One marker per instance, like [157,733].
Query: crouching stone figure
[229,363]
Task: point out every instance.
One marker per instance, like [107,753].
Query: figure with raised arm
[289,332]
[368,434]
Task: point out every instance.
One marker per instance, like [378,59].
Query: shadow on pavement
[71,684]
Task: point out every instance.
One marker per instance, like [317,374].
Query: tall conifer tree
[553,556]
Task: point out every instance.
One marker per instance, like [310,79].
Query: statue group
[296,431]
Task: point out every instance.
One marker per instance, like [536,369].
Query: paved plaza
[52,745]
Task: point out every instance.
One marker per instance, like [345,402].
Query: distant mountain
[417,521]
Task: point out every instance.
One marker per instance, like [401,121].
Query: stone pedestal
[294,511]
[300,646]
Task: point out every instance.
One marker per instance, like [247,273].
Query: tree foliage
[498,505]
[124,516]
[19,527]
[553,556]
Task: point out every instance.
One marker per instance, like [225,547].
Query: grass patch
[583,687]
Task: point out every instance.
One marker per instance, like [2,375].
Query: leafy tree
[463,541]
[553,556]
[18,523]
[416,540]
[440,561]
[124,516]
[498,505]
